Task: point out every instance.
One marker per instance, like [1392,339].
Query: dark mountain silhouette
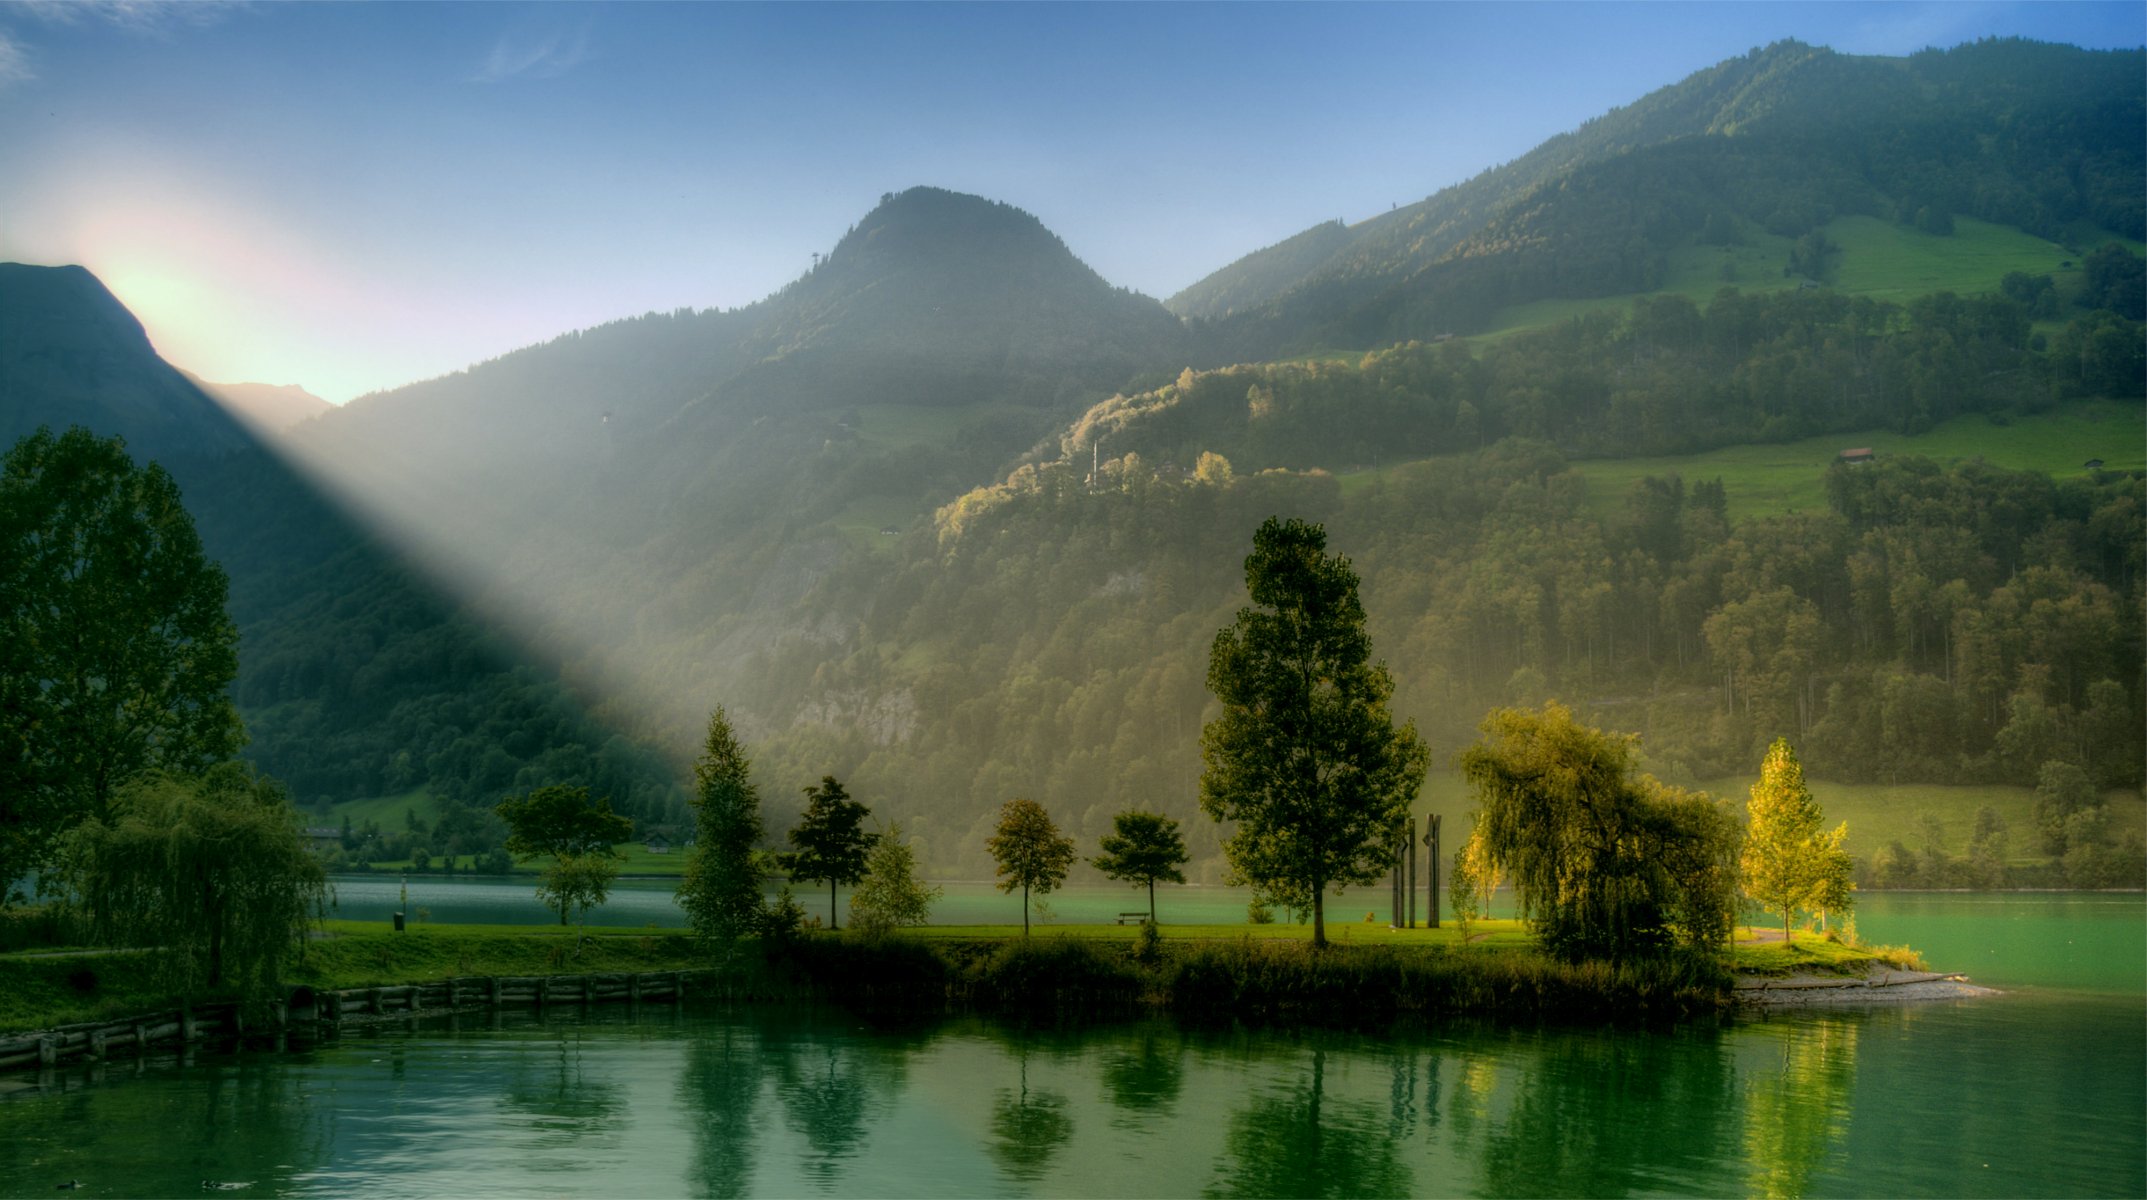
[71,354]
[357,676]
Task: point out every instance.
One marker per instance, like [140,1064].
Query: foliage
[1305,757]
[575,883]
[889,896]
[1141,848]
[2061,789]
[721,891]
[116,656]
[1029,851]
[560,823]
[1789,864]
[1607,863]
[208,871]
[831,841]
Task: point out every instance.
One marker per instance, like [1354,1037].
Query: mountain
[71,354]
[357,675]
[265,408]
[1778,142]
[657,493]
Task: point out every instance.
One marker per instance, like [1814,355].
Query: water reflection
[1028,1126]
[1796,1113]
[1142,1074]
[755,1101]
[1295,1141]
[718,1093]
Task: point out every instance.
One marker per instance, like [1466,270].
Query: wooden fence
[311,1013]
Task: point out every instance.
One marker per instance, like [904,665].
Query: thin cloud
[151,17]
[523,56]
[14,62]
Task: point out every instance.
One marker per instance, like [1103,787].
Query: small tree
[1030,852]
[208,871]
[1141,848]
[721,891]
[560,823]
[890,896]
[1305,757]
[1788,863]
[1462,896]
[831,840]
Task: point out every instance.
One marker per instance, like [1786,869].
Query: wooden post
[48,1051]
[1431,839]
[1412,872]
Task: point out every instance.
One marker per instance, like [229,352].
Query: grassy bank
[1259,974]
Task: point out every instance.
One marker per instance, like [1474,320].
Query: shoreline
[1881,986]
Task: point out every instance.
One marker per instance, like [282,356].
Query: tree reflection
[1794,1116]
[561,1093]
[1299,1144]
[719,1090]
[1028,1128]
[1607,1113]
[1142,1077]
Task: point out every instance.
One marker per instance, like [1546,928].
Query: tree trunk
[1024,910]
[831,903]
[1319,914]
[1151,901]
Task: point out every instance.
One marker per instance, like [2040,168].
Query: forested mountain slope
[2040,137]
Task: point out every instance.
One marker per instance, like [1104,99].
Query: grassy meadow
[1883,260]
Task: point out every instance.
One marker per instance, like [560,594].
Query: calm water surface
[2040,1092]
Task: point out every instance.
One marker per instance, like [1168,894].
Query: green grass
[862,519]
[1340,932]
[1883,260]
[896,425]
[387,813]
[1761,952]
[1767,480]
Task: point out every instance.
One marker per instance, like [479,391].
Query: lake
[2041,1091]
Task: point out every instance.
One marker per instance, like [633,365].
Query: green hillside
[1883,260]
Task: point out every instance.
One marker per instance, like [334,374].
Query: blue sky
[350,197]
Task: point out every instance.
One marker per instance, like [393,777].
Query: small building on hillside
[323,837]
[657,843]
[2093,464]
[1861,454]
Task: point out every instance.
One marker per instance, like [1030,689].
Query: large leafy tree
[1305,757]
[208,871]
[1030,852]
[1607,863]
[578,835]
[721,891]
[1789,862]
[116,656]
[1141,848]
[830,841]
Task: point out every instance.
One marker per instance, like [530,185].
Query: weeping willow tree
[210,872]
[1607,863]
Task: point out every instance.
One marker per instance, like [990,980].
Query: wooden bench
[1132,918]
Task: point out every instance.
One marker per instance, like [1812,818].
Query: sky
[352,197]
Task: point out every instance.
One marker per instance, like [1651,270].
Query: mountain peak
[71,354]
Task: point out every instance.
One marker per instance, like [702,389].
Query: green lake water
[2040,1091]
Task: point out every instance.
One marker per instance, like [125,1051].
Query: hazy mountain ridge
[265,408]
